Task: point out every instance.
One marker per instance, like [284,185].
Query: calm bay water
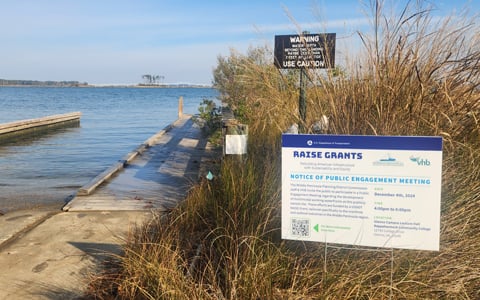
[46,169]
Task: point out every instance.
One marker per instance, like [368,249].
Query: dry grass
[417,76]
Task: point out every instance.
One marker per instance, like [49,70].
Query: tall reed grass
[416,76]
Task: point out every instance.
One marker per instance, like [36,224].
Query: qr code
[300,227]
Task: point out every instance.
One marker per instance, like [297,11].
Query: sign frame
[376,191]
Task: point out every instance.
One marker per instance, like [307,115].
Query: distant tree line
[9,82]
[152,79]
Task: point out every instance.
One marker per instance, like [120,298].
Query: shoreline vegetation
[415,75]
[37,83]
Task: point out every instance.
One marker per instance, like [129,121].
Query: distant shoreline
[77,84]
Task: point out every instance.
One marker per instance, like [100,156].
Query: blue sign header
[420,143]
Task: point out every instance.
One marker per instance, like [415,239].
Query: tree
[152,79]
[147,78]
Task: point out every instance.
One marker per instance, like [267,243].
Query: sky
[118,41]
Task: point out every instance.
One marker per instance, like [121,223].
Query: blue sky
[117,41]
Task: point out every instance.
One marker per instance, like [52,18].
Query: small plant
[209,116]
[210,120]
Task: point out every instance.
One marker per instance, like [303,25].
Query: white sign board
[235,144]
[378,191]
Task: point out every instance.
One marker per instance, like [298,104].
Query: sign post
[302,100]
[305,51]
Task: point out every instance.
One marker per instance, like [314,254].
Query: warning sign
[305,51]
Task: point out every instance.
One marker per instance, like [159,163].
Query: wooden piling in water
[13,129]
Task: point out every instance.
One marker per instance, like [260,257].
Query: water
[47,169]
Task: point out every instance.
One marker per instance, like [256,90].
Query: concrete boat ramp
[155,176]
[50,254]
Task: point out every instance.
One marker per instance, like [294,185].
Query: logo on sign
[388,160]
[420,161]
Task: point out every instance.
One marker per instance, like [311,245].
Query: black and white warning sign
[305,51]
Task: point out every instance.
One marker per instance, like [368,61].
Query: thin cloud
[340,24]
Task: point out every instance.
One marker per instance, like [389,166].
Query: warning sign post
[306,51]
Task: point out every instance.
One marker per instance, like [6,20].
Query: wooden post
[180,107]
[302,99]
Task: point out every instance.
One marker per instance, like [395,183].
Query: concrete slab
[14,223]
[54,260]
